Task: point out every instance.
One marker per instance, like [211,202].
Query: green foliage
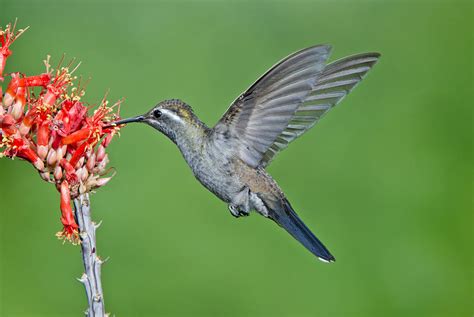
[385,179]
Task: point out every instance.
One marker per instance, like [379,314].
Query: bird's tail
[289,220]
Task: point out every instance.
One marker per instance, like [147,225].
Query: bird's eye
[156,113]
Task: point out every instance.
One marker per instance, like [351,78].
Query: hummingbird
[230,159]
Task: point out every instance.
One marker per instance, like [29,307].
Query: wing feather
[261,114]
[287,101]
[335,82]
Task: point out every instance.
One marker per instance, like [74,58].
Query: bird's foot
[237,212]
[244,213]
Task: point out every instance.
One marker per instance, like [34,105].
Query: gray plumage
[230,159]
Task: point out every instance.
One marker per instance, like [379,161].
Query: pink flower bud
[100,152]
[82,188]
[24,129]
[52,157]
[45,176]
[91,162]
[8,99]
[17,110]
[42,151]
[80,162]
[85,174]
[103,164]
[103,181]
[61,151]
[38,164]
[58,172]
[79,173]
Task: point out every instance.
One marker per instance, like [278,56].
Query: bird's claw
[243,213]
[237,212]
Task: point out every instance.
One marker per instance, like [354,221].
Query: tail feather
[289,220]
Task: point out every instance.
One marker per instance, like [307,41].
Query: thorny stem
[92,263]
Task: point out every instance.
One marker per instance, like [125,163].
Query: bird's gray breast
[214,168]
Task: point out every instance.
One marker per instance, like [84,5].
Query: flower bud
[79,173]
[58,172]
[38,164]
[80,162]
[100,152]
[17,110]
[52,157]
[91,162]
[82,189]
[42,151]
[103,164]
[85,174]
[61,151]
[8,99]
[45,176]
[24,129]
[103,181]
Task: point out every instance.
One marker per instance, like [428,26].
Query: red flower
[54,132]
[70,231]
[7,37]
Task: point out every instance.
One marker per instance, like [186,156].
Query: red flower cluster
[53,130]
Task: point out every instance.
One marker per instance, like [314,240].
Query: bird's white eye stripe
[172,115]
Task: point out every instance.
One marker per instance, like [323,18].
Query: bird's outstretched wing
[288,100]
[262,112]
[333,84]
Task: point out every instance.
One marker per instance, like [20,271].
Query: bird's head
[172,117]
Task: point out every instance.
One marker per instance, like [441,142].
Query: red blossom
[70,228]
[53,130]
[7,37]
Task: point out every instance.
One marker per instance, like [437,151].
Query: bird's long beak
[129,120]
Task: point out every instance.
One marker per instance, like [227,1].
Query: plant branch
[92,263]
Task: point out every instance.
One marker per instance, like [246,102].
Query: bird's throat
[190,141]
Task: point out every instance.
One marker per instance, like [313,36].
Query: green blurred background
[385,180]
